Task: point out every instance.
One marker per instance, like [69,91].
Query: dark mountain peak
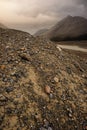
[69,28]
[74,18]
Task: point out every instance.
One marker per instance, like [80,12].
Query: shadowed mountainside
[40,32]
[68,29]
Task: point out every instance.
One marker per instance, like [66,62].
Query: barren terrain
[41,87]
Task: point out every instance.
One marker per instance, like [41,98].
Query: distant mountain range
[70,28]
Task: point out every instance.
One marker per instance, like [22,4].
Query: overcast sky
[31,15]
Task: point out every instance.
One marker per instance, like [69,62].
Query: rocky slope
[41,86]
[68,29]
[2,26]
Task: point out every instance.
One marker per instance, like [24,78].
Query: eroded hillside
[41,86]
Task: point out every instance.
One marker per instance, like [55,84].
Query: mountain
[40,32]
[70,28]
[42,87]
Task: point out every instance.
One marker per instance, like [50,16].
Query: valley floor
[82,44]
[78,48]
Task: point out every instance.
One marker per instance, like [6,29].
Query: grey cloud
[84,2]
[55,8]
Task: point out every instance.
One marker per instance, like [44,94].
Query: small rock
[46,123]
[47,89]
[2,67]
[49,128]
[3,100]
[59,48]
[51,95]
[42,128]
[68,69]
[25,57]
[8,111]
[9,89]
[85,125]
[56,79]
[16,62]
[83,76]
[27,39]
[22,48]
[70,115]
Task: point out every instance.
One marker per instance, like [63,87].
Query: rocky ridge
[42,87]
[2,26]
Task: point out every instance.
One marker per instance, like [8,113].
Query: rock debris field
[42,87]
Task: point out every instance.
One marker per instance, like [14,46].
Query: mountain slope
[40,32]
[41,86]
[70,28]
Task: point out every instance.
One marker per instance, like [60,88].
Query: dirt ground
[41,87]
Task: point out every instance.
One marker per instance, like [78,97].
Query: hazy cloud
[31,15]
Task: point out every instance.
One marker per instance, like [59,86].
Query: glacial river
[76,48]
